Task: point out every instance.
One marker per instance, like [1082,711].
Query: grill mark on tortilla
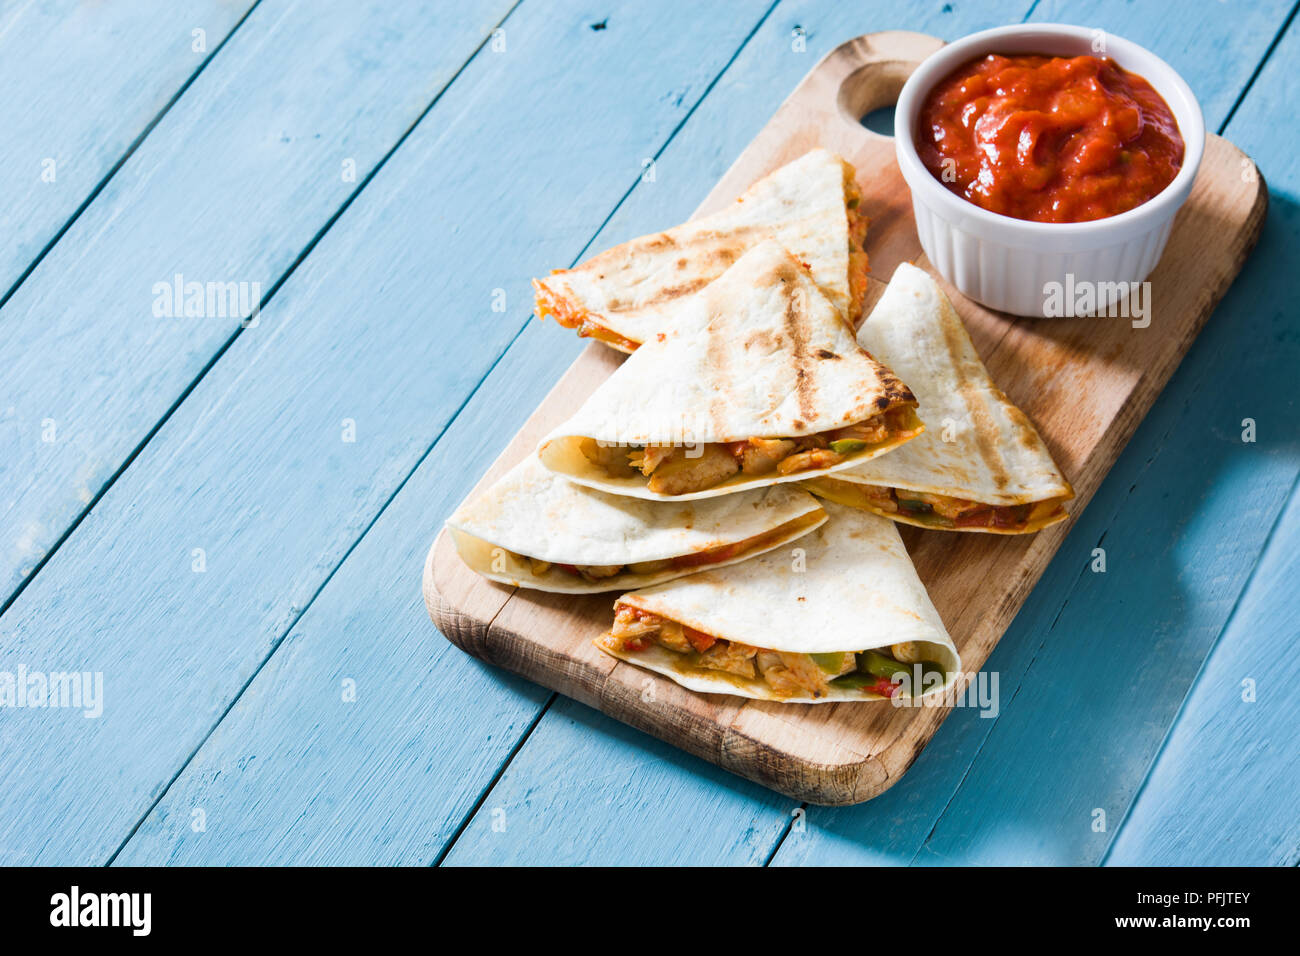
[668,293]
[660,241]
[987,435]
[893,391]
[725,246]
[796,326]
[1027,435]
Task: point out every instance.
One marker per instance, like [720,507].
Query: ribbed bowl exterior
[1018,280]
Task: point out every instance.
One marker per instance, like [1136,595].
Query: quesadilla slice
[981,466]
[534,529]
[841,616]
[810,206]
[758,381]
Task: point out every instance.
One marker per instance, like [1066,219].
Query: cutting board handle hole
[880,121]
[868,94]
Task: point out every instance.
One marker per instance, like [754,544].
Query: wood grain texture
[277,496]
[846,753]
[82,81]
[233,185]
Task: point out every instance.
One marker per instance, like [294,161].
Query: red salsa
[1049,139]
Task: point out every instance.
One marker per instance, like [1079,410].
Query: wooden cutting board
[1086,383]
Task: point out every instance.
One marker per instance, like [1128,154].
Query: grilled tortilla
[810,206]
[535,529]
[981,466]
[758,381]
[841,616]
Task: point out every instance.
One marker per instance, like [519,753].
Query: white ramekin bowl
[1010,264]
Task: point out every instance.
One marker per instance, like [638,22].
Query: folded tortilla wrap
[839,615]
[534,529]
[758,381]
[809,206]
[981,465]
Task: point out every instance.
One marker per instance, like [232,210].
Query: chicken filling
[681,469]
[785,673]
[858,264]
[944,511]
[593,573]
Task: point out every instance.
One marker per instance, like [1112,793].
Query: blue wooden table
[223,516]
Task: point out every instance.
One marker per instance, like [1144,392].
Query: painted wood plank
[894,827]
[575,795]
[232,185]
[82,83]
[1226,786]
[1182,523]
[387,325]
[891,839]
[1213,45]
